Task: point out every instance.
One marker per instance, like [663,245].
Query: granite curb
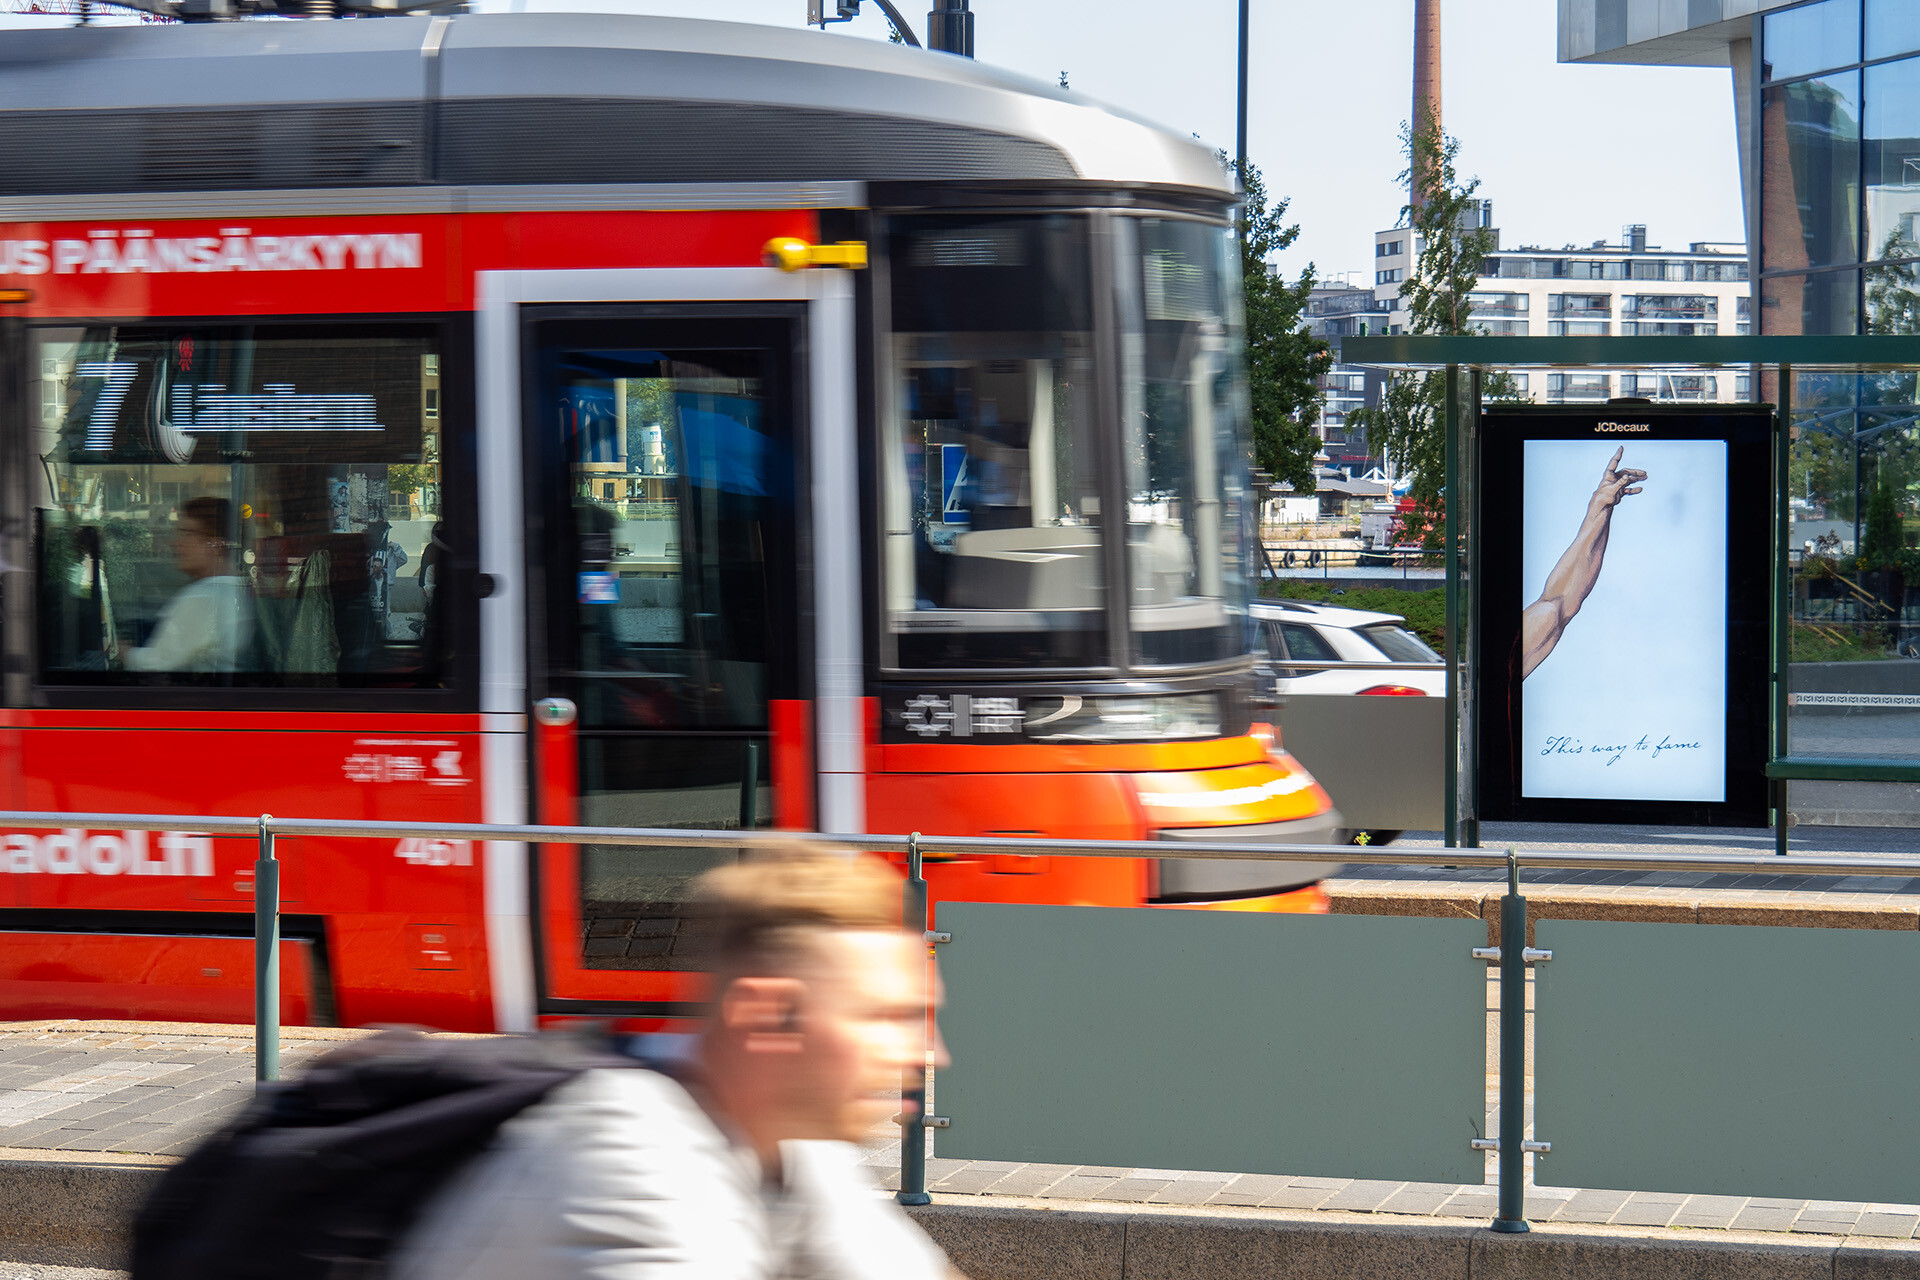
[1038,1240]
[72,1210]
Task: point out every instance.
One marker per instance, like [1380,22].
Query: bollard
[913,1090]
[1513,1054]
[266,957]
[750,788]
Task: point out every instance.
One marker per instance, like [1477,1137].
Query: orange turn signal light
[1396,691]
[16,295]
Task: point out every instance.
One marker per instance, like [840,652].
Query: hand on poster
[1574,576]
[1616,483]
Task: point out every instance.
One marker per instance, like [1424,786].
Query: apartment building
[1335,310]
[1602,289]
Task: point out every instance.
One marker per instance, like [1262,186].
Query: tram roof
[542,99]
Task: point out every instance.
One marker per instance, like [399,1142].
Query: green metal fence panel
[1739,1060]
[1337,1046]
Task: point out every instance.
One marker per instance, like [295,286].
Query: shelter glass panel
[223,505]
[1810,173]
[1854,475]
[1813,37]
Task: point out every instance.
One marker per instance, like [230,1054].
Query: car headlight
[1083,719]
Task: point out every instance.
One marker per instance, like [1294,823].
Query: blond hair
[759,915]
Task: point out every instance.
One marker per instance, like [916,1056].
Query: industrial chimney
[1426,79]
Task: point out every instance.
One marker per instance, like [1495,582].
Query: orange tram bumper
[1241,790]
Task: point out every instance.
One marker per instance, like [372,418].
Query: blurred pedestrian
[743,1169]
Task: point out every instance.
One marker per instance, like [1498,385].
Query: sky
[1568,154]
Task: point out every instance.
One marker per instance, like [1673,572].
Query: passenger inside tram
[240,506]
[208,624]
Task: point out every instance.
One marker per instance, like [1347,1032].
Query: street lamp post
[1240,134]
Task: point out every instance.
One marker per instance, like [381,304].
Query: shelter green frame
[1472,355]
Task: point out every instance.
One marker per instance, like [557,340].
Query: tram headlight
[1140,719]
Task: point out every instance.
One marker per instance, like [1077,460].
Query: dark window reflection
[1810,173]
[1823,303]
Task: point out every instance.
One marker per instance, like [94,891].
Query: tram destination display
[1623,656]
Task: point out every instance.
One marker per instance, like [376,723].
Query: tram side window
[234,505]
[1185,439]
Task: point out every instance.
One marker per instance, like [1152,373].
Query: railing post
[266,957]
[913,1089]
[1782,589]
[1513,1054]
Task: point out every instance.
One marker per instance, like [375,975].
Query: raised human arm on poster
[1577,570]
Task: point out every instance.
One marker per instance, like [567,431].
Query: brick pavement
[1852,842]
[156,1089]
[152,1089]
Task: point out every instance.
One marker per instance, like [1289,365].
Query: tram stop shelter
[1842,687]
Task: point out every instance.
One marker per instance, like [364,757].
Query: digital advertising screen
[1623,605]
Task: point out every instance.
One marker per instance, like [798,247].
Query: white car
[1296,631]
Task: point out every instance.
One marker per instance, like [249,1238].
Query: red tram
[563,418]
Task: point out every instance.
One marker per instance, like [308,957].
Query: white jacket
[621,1175]
[205,627]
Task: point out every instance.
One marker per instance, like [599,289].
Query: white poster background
[1640,671]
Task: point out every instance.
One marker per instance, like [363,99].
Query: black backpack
[320,1177]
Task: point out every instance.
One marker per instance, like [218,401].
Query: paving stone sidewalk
[149,1089]
[987,1178]
[1542,837]
[157,1089]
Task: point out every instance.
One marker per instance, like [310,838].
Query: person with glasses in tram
[208,624]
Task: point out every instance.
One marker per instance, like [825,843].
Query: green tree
[1284,362]
[407,477]
[1409,424]
[1880,541]
[1893,290]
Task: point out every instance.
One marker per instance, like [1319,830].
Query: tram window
[239,506]
[990,471]
[1184,440]
[668,552]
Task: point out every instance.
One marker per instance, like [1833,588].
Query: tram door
[665,541]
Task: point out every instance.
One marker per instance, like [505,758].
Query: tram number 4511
[435,853]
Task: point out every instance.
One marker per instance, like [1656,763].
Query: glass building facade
[1827,102]
[1839,172]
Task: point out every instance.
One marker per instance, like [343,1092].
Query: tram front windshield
[1008,466]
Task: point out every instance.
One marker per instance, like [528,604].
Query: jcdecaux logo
[74,852]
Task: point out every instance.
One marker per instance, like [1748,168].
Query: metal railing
[1513,960]
[1327,562]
